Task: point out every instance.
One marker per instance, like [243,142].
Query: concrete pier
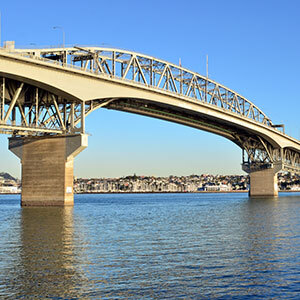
[47,167]
[264,183]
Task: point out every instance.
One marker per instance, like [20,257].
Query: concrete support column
[264,183]
[47,168]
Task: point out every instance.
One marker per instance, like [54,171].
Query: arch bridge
[46,95]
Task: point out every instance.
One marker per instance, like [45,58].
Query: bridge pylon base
[264,183]
[47,168]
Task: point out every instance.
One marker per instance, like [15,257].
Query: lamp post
[0,29]
[63,32]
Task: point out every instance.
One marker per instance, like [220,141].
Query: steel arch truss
[159,74]
[25,109]
[258,154]
[151,73]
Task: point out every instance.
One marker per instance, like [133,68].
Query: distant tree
[7,176]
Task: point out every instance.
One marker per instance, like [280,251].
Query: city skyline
[252,48]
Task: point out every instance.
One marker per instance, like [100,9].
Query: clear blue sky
[253,48]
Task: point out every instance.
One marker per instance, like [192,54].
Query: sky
[253,48]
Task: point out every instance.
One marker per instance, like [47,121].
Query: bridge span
[46,94]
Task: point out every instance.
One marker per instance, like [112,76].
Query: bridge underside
[260,159]
[258,153]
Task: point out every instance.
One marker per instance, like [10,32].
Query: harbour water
[152,246]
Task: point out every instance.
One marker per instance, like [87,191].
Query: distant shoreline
[196,192]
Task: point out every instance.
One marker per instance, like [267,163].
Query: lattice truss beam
[259,154]
[162,75]
[153,73]
[25,109]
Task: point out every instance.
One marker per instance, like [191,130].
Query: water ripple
[162,246]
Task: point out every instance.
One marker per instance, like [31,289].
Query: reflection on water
[189,246]
[44,255]
[270,247]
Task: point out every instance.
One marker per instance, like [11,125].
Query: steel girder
[40,112]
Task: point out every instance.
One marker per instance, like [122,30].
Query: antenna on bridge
[179,62]
[0,30]
[63,34]
[206,66]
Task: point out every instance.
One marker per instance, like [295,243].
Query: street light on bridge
[63,32]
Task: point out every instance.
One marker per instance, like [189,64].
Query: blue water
[152,246]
